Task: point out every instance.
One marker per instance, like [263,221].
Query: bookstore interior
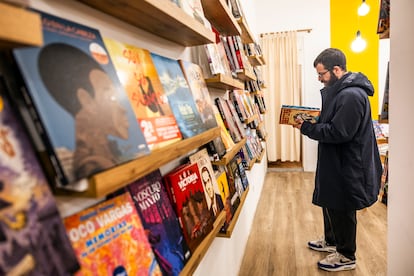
[160,174]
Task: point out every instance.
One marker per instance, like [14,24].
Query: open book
[288,114]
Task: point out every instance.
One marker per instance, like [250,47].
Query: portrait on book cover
[80,102]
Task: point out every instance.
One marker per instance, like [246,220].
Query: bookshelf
[220,16]
[223,82]
[160,17]
[23,27]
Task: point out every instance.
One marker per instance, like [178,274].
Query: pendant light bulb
[363,9]
[359,44]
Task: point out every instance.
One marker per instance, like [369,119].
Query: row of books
[150,227]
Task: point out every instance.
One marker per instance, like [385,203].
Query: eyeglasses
[320,75]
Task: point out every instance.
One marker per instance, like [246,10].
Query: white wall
[401,155]
[275,16]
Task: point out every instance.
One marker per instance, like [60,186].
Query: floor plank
[285,220]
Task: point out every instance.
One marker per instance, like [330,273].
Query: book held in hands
[289,113]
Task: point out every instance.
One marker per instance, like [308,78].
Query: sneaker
[336,262]
[321,245]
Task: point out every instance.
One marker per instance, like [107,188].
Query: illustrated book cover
[140,80]
[84,115]
[33,239]
[288,114]
[208,178]
[228,200]
[227,118]
[179,96]
[186,192]
[160,221]
[109,239]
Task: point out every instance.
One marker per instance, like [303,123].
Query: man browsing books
[348,172]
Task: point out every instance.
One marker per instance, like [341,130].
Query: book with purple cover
[33,239]
[160,220]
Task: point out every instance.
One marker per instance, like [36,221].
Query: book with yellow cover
[288,114]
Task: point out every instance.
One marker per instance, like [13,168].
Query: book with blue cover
[179,96]
[161,222]
[84,115]
[33,239]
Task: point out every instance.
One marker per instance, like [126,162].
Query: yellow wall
[345,22]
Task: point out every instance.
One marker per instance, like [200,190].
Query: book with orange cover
[288,114]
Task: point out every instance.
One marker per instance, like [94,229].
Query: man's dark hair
[64,69]
[331,57]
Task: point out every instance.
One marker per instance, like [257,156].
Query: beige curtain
[282,76]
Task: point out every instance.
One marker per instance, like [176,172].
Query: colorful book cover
[227,198]
[82,106]
[208,178]
[138,75]
[179,96]
[33,239]
[289,113]
[160,221]
[186,192]
[199,90]
[228,119]
[109,239]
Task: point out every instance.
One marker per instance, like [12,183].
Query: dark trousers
[340,230]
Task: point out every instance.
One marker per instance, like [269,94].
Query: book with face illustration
[81,111]
[33,239]
[179,96]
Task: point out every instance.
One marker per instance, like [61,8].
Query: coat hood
[357,80]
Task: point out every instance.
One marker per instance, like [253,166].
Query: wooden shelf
[260,157]
[251,164]
[203,247]
[251,119]
[233,222]
[111,180]
[20,27]
[220,16]
[246,35]
[256,60]
[230,154]
[160,17]
[224,82]
[246,76]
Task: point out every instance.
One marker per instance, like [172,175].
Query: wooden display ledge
[256,60]
[260,157]
[251,119]
[235,217]
[159,17]
[220,16]
[230,154]
[202,248]
[109,181]
[246,35]
[221,81]
[19,27]
[246,76]
[251,164]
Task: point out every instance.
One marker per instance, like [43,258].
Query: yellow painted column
[345,22]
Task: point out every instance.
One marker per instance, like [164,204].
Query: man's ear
[84,98]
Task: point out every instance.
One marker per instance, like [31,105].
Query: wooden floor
[286,219]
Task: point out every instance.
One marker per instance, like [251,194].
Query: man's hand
[298,122]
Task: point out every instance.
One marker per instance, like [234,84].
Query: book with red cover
[109,239]
[160,221]
[33,239]
[149,101]
[187,195]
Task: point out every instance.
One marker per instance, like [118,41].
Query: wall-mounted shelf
[111,180]
[246,34]
[203,247]
[220,16]
[233,222]
[20,27]
[246,76]
[251,119]
[230,154]
[256,60]
[160,17]
[260,157]
[221,81]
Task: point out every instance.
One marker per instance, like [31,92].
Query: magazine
[288,114]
